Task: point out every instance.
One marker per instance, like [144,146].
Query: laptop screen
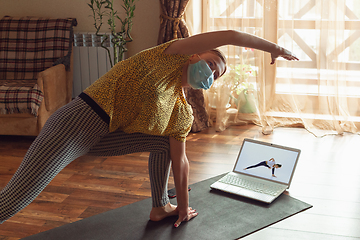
[266,160]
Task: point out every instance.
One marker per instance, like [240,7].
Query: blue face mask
[199,75]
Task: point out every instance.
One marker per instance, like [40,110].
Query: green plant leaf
[120,38]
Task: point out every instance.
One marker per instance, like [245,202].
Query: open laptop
[257,173]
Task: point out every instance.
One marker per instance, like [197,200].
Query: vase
[246,101]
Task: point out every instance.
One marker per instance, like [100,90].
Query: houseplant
[243,92]
[105,8]
[238,76]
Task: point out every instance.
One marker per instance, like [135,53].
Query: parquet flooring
[327,177]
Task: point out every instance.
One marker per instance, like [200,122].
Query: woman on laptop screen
[269,164]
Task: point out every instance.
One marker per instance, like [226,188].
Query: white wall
[146,20]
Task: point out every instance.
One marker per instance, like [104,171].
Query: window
[327,47]
[325,35]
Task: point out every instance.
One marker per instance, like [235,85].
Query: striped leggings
[73,131]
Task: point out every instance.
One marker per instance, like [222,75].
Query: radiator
[90,62]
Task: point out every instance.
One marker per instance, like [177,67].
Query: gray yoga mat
[221,216]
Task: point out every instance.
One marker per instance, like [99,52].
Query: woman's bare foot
[159,213]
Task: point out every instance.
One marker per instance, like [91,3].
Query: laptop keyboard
[251,185]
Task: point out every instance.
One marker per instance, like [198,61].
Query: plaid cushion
[30,45]
[20,99]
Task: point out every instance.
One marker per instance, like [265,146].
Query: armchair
[35,72]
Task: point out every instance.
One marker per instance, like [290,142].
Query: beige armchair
[36,66]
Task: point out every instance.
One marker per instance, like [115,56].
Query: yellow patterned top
[144,94]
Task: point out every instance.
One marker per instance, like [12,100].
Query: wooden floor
[327,176]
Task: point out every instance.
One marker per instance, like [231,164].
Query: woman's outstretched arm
[180,167]
[206,41]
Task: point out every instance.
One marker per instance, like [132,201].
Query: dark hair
[279,165]
[221,55]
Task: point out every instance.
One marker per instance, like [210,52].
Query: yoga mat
[221,216]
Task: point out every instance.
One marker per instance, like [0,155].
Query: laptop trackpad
[233,189]
[225,187]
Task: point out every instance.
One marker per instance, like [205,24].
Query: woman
[270,164]
[137,106]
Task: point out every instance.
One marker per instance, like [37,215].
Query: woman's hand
[185,215]
[284,53]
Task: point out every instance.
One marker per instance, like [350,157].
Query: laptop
[263,171]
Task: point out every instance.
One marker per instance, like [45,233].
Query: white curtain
[320,92]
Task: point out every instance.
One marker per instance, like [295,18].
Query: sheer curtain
[320,92]
[225,98]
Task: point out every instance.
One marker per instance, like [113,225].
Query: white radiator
[91,61]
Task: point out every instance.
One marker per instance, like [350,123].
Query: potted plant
[243,92]
[119,39]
